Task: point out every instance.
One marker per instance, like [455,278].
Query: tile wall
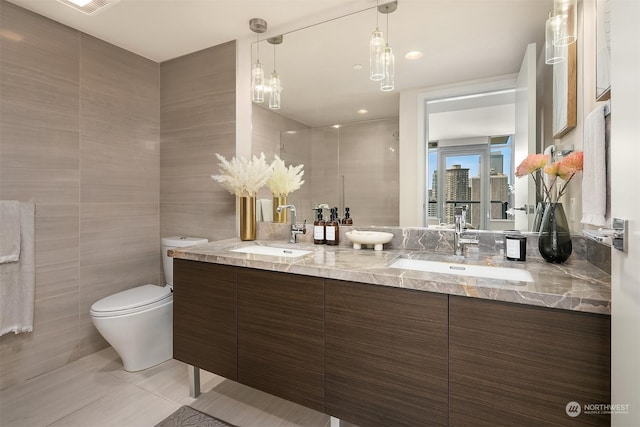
[356,164]
[80,135]
[198,120]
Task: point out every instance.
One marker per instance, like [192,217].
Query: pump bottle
[319,228]
[332,230]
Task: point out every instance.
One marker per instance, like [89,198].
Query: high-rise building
[498,194]
[456,189]
[432,209]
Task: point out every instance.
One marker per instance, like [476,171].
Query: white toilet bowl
[138,322]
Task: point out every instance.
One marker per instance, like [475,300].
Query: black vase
[554,240]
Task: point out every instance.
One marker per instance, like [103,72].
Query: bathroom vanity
[339,331]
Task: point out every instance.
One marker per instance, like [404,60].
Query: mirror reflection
[351,157]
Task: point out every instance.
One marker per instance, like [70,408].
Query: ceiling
[462,40]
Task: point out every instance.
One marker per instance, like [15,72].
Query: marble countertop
[576,285]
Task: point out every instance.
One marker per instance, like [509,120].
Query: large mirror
[352,157]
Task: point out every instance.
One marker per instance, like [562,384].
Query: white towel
[594,176]
[9,231]
[17,280]
[266,206]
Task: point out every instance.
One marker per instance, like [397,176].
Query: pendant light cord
[258,47]
[387,26]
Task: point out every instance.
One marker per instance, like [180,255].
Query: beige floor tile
[51,396]
[95,391]
[125,406]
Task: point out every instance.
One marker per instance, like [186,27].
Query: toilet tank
[176,242]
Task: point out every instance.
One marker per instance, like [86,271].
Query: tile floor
[95,391]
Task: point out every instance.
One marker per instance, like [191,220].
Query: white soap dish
[375,238]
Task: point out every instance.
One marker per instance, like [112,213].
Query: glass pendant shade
[257,83]
[567,13]
[274,95]
[388,61]
[376,49]
[553,54]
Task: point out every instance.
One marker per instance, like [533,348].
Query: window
[465,172]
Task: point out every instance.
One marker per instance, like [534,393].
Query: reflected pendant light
[274,81]
[566,11]
[553,54]
[388,61]
[258,26]
[376,48]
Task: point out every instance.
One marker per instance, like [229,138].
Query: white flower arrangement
[243,177]
[284,180]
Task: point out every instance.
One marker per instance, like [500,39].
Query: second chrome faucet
[295,228]
[459,241]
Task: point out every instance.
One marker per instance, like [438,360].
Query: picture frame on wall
[603,49]
[565,93]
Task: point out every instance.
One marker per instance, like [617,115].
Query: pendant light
[376,47]
[388,61]
[566,11]
[553,54]
[258,26]
[274,81]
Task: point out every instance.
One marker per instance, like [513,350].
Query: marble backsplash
[441,241]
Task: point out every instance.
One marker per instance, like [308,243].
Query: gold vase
[247,218]
[282,216]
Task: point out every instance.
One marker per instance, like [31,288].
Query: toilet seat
[132,300]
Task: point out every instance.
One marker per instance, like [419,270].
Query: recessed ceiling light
[336,126]
[357,67]
[291,132]
[89,7]
[414,54]
[363,111]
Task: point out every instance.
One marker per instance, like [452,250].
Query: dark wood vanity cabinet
[383,356]
[386,355]
[204,316]
[513,364]
[281,335]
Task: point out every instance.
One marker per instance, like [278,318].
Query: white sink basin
[500,273]
[272,251]
[375,238]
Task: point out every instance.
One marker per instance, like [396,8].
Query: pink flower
[574,160]
[566,168]
[532,163]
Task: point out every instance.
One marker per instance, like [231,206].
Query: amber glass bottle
[347,217]
[319,228]
[332,230]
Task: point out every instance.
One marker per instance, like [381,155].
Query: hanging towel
[266,208]
[9,231]
[17,280]
[594,175]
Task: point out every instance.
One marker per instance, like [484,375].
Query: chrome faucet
[459,241]
[295,228]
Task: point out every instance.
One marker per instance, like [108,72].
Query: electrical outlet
[572,209]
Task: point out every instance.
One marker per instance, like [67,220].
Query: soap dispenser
[319,228]
[332,230]
[347,217]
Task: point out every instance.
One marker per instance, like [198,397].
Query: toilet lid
[132,298]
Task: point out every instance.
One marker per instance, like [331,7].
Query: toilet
[138,322]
